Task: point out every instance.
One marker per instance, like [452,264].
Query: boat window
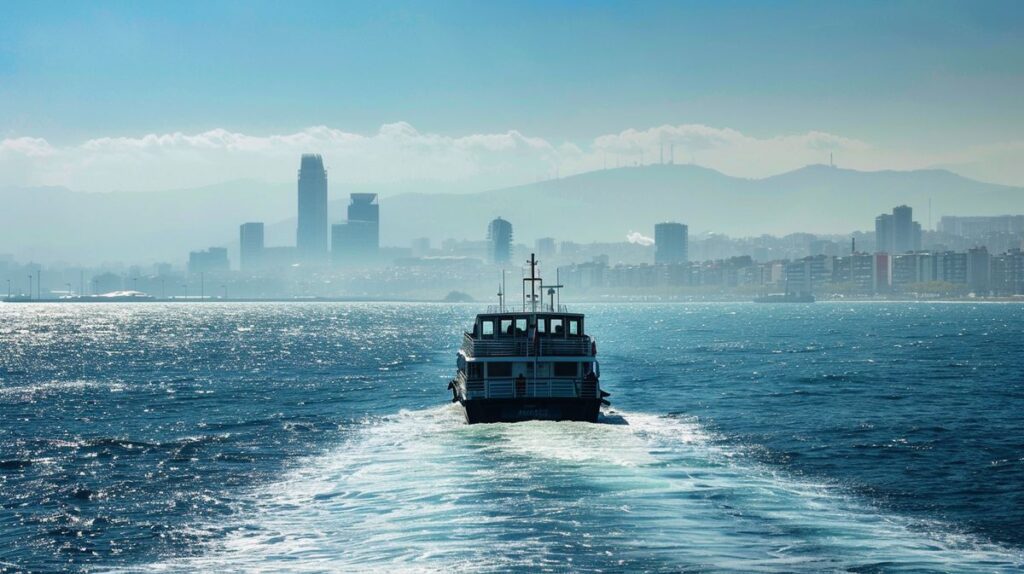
[488,329]
[556,327]
[521,326]
[475,371]
[574,327]
[499,370]
[565,369]
[542,325]
[506,327]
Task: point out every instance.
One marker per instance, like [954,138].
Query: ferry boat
[534,362]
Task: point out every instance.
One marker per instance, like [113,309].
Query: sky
[464,96]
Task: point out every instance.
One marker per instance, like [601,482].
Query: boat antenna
[533,283]
[503,290]
[552,291]
[501,300]
[524,288]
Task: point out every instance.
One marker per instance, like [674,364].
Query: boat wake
[422,491]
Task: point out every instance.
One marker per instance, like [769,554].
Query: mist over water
[311,437]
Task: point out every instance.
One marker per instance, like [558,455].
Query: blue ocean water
[866,437]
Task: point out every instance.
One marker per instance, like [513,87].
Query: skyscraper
[250,245]
[545,247]
[883,233]
[897,232]
[671,243]
[499,236]
[357,241]
[902,229]
[311,234]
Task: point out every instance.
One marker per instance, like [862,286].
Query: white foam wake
[422,491]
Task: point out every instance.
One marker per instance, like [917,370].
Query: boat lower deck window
[474,371]
[499,370]
[565,369]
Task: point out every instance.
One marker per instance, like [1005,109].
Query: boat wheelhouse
[535,362]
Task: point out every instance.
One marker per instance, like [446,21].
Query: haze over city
[136,142]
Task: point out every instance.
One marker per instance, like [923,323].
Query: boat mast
[533,283]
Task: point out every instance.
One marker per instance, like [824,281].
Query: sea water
[869,437]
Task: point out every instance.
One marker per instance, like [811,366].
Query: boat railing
[510,388]
[528,308]
[521,347]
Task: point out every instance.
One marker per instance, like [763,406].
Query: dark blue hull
[531,409]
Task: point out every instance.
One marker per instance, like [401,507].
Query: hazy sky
[146,95]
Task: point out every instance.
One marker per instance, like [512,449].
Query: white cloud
[639,238]
[400,156]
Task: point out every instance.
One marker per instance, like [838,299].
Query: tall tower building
[250,243]
[671,243]
[883,233]
[311,234]
[902,229]
[499,236]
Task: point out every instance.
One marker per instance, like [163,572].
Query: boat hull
[531,409]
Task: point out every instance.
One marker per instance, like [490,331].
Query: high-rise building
[671,243]
[499,237]
[311,234]
[883,233]
[902,229]
[545,247]
[357,241]
[897,232]
[250,245]
[979,270]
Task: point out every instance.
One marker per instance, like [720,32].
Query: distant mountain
[606,205]
[50,224]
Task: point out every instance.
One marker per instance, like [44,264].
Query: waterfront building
[1008,273]
[951,267]
[979,271]
[671,243]
[499,237]
[250,245]
[311,233]
[214,259]
[357,241]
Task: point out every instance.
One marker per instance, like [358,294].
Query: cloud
[639,238]
[401,157]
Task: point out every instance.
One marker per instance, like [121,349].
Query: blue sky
[933,83]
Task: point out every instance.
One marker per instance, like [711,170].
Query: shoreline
[603,301]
